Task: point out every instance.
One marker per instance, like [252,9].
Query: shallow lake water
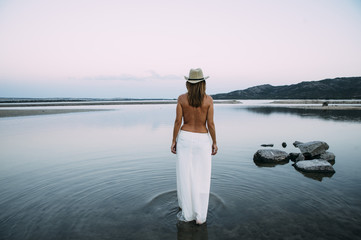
[110,175]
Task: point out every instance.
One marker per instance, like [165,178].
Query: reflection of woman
[194,148]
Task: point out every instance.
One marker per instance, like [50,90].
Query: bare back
[199,120]
[195,119]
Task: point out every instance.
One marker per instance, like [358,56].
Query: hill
[337,88]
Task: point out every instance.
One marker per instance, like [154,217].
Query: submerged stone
[293,156]
[267,145]
[312,149]
[296,143]
[300,157]
[270,156]
[316,166]
[328,156]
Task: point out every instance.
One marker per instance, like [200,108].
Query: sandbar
[334,107]
[31,112]
[100,103]
[318,104]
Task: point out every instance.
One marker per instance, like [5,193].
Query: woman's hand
[173,148]
[214,149]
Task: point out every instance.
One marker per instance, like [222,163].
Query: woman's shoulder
[182,97]
[208,99]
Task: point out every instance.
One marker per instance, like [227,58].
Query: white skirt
[194,162]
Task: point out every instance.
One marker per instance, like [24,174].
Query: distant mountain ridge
[337,88]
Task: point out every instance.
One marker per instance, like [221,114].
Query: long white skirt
[194,162]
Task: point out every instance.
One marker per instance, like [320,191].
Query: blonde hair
[196,93]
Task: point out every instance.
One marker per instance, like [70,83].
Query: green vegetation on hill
[338,88]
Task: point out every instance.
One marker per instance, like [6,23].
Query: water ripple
[163,208]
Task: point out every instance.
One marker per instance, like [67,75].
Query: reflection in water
[262,164]
[317,176]
[191,231]
[164,207]
[335,115]
[110,175]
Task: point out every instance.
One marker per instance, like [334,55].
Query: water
[110,175]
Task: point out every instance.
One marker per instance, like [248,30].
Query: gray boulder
[327,156]
[295,157]
[266,145]
[300,157]
[270,156]
[296,143]
[314,166]
[312,149]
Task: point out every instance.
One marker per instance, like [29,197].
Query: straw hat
[195,76]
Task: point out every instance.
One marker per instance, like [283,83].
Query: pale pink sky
[142,49]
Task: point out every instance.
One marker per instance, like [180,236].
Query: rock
[300,157]
[314,166]
[284,144]
[297,143]
[293,156]
[270,156]
[266,145]
[312,149]
[327,156]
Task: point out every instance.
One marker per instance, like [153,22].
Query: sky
[143,49]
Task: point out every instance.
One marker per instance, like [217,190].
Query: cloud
[146,76]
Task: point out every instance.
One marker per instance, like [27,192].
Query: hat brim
[195,80]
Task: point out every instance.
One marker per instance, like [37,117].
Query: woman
[193,147]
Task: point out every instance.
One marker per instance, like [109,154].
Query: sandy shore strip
[6,112]
[32,112]
[313,107]
[316,101]
[318,104]
[85,103]
[101,103]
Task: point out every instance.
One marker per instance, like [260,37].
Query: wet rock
[296,157]
[300,157]
[270,156]
[296,143]
[314,166]
[267,145]
[328,156]
[312,149]
[293,156]
[284,144]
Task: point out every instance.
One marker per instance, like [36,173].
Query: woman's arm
[212,127]
[177,125]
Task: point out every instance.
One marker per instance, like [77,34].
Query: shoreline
[323,108]
[101,103]
[317,104]
[85,103]
[316,101]
[24,109]
[35,112]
